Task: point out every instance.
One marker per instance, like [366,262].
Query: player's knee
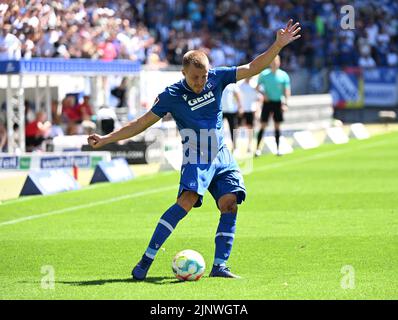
[187,200]
[228,204]
[230,207]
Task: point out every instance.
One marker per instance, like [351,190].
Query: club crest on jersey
[201,101]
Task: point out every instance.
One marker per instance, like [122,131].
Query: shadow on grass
[100,282]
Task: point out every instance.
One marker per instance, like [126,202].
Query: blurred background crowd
[159,32]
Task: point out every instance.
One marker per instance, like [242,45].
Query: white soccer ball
[188,265]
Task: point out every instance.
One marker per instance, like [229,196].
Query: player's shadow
[100,282]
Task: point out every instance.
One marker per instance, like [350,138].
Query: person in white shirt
[10,46]
[217,55]
[392,57]
[231,107]
[249,99]
[366,61]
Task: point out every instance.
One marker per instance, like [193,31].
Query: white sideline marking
[87,188]
[320,156]
[143,193]
[88,205]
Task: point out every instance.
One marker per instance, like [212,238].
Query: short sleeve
[227,75]
[260,80]
[161,106]
[287,81]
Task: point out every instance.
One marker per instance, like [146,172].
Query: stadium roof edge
[69,66]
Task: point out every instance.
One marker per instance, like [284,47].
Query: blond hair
[196,58]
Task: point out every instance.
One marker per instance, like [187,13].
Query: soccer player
[194,103]
[275,85]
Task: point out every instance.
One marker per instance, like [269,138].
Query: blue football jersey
[198,113]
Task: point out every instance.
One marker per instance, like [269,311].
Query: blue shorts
[220,177]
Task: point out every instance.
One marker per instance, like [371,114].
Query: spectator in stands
[28,45]
[56,109]
[217,55]
[107,49]
[392,56]
[37,131]
[154,60]
[30,113]
[70,115]
[69,109]
[366,61]
[56,125]
[84,109]
[147,30]
[10,46]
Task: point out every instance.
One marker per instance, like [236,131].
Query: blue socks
[168,221]
[224,238]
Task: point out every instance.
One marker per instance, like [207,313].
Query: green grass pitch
[317,224]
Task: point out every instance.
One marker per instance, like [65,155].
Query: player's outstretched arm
[131,129]
[283,38]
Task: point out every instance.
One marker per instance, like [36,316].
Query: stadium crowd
[158,32]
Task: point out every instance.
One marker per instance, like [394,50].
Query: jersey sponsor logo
[201,101]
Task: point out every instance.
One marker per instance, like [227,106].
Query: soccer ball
[188,265]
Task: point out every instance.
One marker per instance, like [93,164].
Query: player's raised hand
[289,34]
[96,141]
